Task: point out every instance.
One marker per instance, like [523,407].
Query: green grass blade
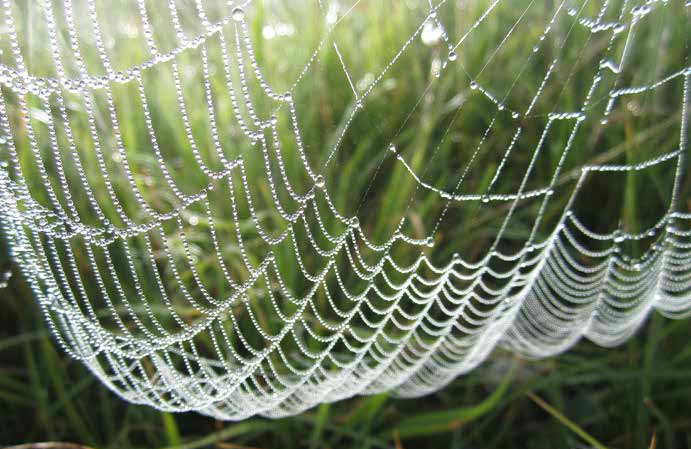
[447,420]
[229,432]
[321,419]
[171,429]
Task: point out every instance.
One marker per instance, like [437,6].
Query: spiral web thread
[111,291]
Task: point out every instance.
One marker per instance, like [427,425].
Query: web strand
[219,271]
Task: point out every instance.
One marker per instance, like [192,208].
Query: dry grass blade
[575,428]
[50,445]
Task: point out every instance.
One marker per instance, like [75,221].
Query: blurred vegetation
[635,396]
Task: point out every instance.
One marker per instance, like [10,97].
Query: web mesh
[252,208]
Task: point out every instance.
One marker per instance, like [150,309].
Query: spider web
[199,246]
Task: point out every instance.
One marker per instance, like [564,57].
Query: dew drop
[473,85]
[429,241]
[354,222]
[453,56]
[320,182]
[485,199]
[238,14]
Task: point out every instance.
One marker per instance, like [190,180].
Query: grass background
[635,396]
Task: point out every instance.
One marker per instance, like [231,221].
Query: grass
[567,422]
[635,396]
[609,394]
